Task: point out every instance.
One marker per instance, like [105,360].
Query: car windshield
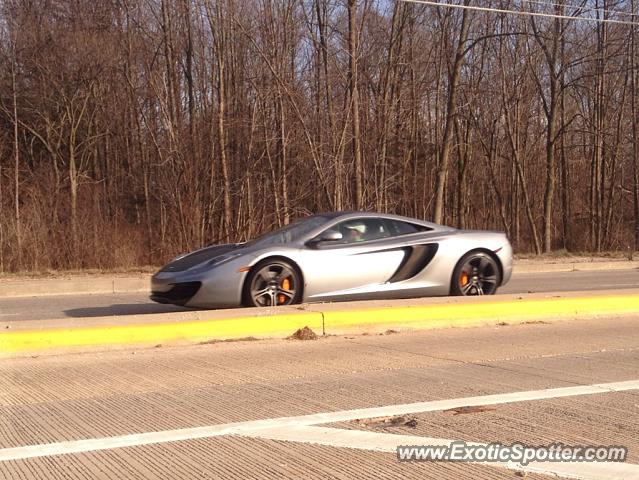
[290,233]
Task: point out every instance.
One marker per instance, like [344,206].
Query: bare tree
[353,53]
[635,131]
[451,106]
[136,129]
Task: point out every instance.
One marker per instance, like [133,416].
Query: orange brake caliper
[286,285]
[464,279]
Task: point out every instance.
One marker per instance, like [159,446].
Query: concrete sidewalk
[73,285]
[94,398]
[69,284]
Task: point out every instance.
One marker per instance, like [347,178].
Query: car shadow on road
[124,309]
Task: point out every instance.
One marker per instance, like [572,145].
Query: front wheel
[477,273]
[271,283]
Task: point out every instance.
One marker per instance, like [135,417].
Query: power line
[516,12]
[581,8]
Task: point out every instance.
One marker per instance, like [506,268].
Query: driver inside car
[355,232]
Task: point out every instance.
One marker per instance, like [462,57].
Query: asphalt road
[215,411]
[74,306]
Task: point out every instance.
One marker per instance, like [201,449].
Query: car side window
[398,227]
[362,230]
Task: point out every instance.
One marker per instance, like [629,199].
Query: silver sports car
[339,256]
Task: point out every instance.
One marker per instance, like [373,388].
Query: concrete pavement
[95,396]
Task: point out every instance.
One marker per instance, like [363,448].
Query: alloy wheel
[479,275]
[274,284]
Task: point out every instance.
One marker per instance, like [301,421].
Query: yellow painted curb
[327,320]
[153,334]
[479,313]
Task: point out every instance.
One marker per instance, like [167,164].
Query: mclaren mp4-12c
[335,257]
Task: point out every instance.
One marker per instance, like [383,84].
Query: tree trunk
[352,65]
[635,133]
[550,168]
[551,109]
[216,23]
[338,168]
[453,85]
[16,158]
[283,160]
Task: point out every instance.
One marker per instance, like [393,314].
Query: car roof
[345,215]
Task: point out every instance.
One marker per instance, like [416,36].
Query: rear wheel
[477,273]
[273,282]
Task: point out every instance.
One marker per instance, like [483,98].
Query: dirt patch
[395,421]
[470,409]
[227,340]
[303,334]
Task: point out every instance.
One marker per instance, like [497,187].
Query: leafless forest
[132,130]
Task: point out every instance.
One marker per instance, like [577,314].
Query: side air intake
[415,260]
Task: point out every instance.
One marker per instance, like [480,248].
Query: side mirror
[327,236]
[330,236]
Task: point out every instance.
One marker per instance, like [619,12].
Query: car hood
[192,259]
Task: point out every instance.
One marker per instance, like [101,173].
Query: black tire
[477,273]
[266,284]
